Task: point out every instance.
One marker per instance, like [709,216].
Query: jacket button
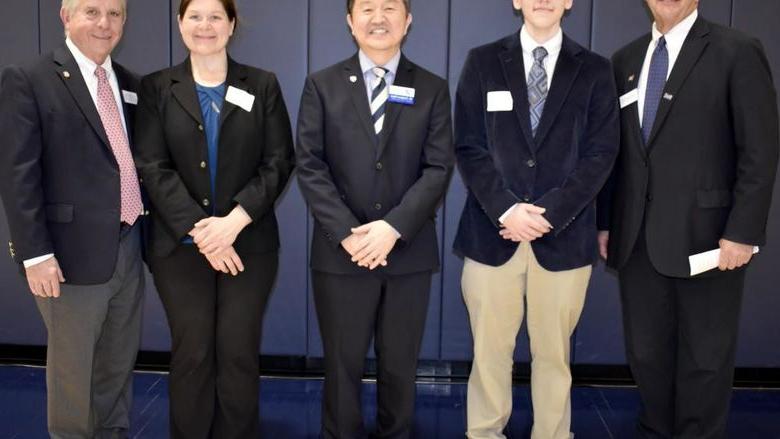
[531,163]
[526,198]
[378,206]
[140,180]
[205,201]
[200,127]
[203,165]
[378,166]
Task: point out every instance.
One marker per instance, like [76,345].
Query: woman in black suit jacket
[214,151]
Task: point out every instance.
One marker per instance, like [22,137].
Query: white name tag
[401,95]
[629,98]
[130,97]
[240,98]
[500,101]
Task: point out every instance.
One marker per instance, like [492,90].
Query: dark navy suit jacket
[561,169]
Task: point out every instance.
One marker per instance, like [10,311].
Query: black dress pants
[215,322]
[681,336]
[353,309]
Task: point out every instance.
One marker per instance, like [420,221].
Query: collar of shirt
[675,37]
[553,47]
[367,66]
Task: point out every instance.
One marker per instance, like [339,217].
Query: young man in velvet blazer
[536,136]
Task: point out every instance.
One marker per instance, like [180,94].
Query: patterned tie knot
[380,72]
[540,53]
[100,72]
[661,43]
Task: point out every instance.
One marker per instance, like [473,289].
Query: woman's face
[205,27]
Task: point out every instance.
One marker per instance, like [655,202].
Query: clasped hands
[525,223]
[215,236]
[369,244]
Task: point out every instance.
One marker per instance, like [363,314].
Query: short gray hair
[71,5]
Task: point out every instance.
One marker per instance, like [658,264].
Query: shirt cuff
[34,261]
[506,214]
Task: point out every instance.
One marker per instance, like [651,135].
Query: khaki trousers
[494,297]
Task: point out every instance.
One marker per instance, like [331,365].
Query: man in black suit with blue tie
[73,203]
[699,148]
[374,159]
[536,135]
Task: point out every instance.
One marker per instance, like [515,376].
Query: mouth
[102,38]
[380,31]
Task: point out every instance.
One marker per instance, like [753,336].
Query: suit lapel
[353,78]
[236,77]
[122,78]
[566,70]
[70,73]
[689,55]
[183,90]
[404,77]
[632,70]
[514,74]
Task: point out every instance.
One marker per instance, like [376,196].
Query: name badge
[500,101]
[130,97]
[240,98]
[401,95]
[629,98]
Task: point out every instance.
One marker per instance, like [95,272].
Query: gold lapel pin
[353,79]
[66,74]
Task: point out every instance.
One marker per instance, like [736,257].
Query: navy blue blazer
[562,169]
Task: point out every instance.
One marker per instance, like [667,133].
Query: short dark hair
[230,9]
[351,4]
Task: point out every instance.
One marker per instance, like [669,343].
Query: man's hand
[733,254]
[525,223]
[44,278]
[215,234]
[376,240]
[352,243]
[603,238]
[226,261]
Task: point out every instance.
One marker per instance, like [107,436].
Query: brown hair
[229,5]
[351,4]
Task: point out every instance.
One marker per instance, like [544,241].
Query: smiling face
[379,26]
[205,27]
[668,13]
[94,26]
[542,17]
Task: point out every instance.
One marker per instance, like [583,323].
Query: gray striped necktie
[537,87]
[379,99]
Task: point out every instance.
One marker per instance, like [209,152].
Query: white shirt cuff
[34,261]
[506,214]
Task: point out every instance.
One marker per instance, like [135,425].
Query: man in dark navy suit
[699,146]
[536,136]
[73,204]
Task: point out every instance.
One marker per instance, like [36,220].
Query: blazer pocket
[713,198]
[59,213]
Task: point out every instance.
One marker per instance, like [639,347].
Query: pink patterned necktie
[112,123]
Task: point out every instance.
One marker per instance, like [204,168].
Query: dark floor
[290,408]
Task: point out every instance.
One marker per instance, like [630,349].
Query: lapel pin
[66,74]
[353,79]
[631,78]
[668,96]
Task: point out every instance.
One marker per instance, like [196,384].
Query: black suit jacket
[255,157]
[708,169]
[562,169]
[58,175]
[349,179]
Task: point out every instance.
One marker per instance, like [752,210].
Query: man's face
[668,13]
[379,25]
[543,14]
[95,27]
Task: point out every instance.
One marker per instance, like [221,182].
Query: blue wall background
[294,37]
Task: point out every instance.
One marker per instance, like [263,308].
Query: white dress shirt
[553,47]
[370,78]
[87,68]
[674,42]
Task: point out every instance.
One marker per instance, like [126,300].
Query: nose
[103,21]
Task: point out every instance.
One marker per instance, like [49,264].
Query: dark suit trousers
[681,337]
[94,333]
[216,322]
[351,310]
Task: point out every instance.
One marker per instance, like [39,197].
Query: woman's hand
[216,234]
[226,261]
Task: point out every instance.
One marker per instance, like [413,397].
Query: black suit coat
[255,156]
[562,169]
[349,179]
[708,169]
[58,175]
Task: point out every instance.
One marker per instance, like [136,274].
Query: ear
[232,27]
[568,4]
[65,17]
[409,20]
[349,23]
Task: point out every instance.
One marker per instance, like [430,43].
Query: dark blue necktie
[656,81]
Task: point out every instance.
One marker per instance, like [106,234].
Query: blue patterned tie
[537,87]
[656,81]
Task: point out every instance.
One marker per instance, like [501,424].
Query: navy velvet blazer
[561,169]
